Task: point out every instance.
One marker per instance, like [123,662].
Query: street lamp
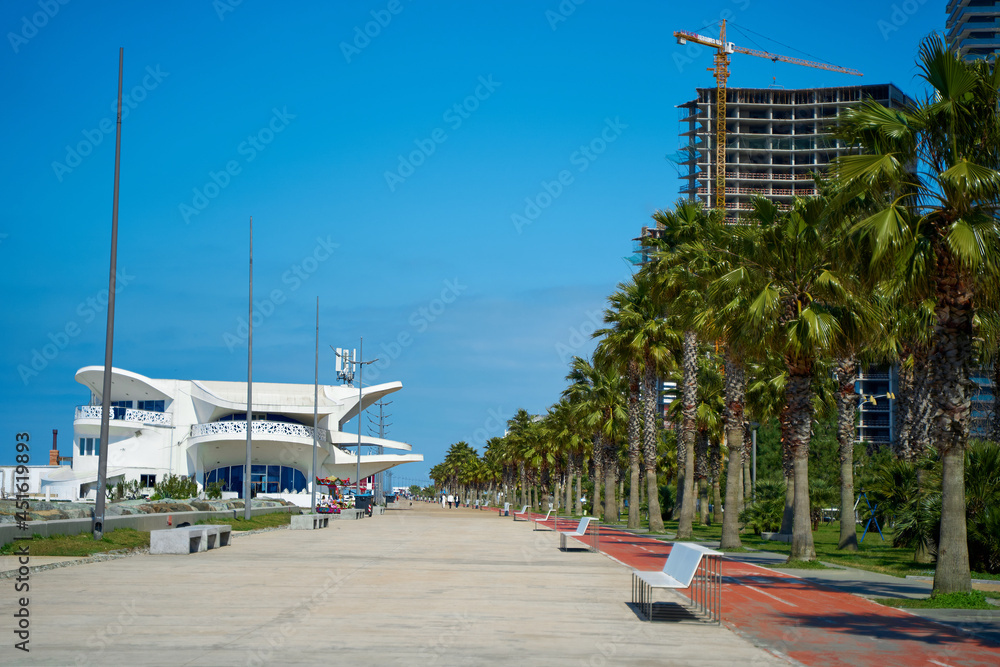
[871,398]
[344,371]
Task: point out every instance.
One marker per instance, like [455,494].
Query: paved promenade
[420,586]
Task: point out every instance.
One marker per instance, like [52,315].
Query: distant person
[451,499]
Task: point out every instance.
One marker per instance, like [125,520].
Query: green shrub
[176,488]
[123,490]
[214,491]
[763,515]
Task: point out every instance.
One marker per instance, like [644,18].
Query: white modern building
[199,429]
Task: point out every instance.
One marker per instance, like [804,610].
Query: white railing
[125,414]
[264,427]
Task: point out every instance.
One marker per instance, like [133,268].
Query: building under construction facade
[776,139]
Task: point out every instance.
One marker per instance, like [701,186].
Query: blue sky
[460,185]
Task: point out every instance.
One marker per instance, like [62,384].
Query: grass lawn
[82,544]
[254,523]
[873,554]
[798,565]
[973,600]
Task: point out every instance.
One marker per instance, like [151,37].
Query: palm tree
[787,261]
[939,161]
[618,350]
[597,395]
[684,285]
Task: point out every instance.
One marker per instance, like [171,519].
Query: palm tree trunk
[598,479]
[577,506]
[716,499]
[650,397]
[524,485]
[701,474]
[735,397]
[569,485]
[788,469]
[715,472]
[952,572]
[703,502]
[610,477]
[995,411]
[747,464]
[846,406]
[789,512]
[634,445]
[621,497]
[949,362]
[675,512]
[799,413]
[688,427]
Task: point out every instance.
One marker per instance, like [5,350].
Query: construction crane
[721,71]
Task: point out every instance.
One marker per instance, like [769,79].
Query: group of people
[451,500]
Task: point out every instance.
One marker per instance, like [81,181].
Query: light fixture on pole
[345,371]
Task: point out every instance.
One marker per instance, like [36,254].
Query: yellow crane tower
[721,71]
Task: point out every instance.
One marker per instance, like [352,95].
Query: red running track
[808,622]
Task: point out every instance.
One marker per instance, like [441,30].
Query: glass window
[298,480]
[286,479]
[236,479]
[210,478]
[257,469]
[90,446]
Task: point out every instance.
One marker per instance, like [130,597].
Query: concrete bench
[505,511]
[309,521]
[349,514]
[581,531]
[539,521]
[689,566]
[524,510]
[189,539]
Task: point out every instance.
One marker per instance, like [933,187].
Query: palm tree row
[896,261]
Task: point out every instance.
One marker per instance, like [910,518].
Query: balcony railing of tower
[125,414]
[263,427]
[767,192]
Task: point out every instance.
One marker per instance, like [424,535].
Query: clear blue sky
[312,119]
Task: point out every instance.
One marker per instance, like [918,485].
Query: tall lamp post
[347,373]
[97,524]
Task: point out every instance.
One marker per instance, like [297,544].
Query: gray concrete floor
[420,586]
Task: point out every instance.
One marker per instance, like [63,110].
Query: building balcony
[734,175]
[278,430]
[145,417]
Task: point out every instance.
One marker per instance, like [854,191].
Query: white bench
[505,511]
[688,566]
[524,510]
[581,530]
[538,521]
[309,521]
[189,539]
